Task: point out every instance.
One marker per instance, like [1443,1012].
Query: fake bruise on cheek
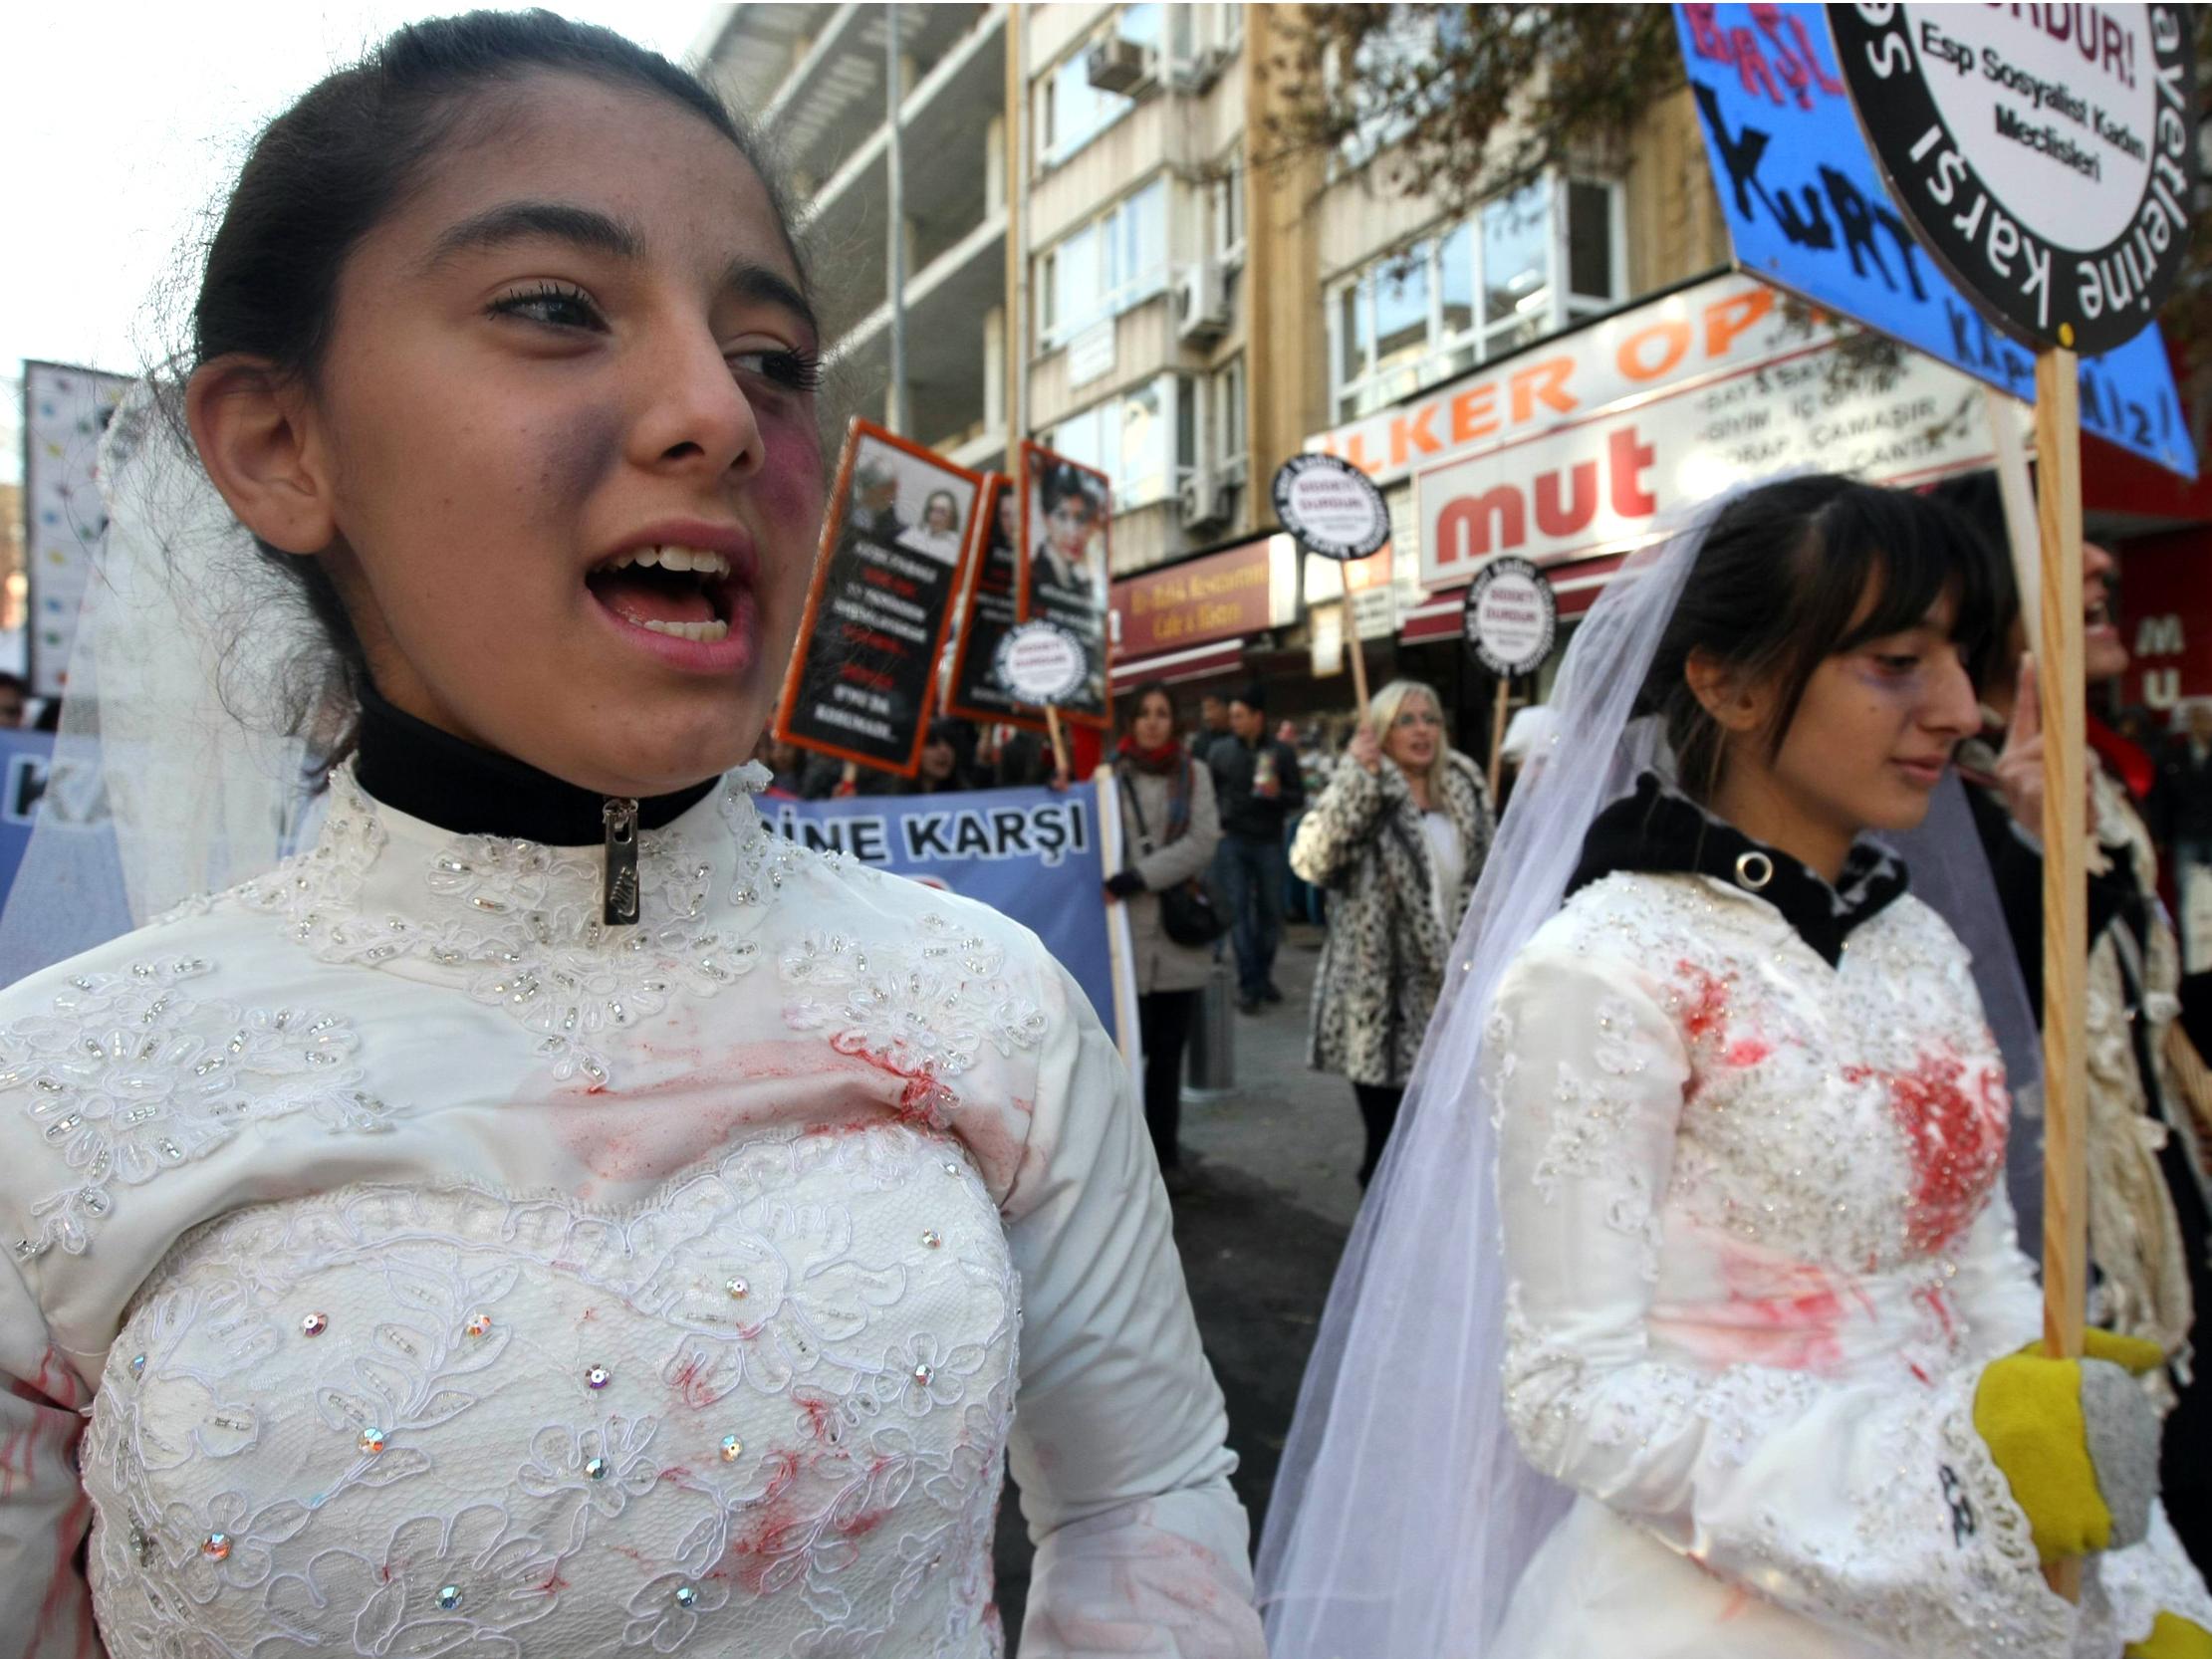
[576,454]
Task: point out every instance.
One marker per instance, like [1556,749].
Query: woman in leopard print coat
[1398,839]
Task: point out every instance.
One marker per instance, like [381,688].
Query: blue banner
[23,764]
[1030,854]
[1808,210]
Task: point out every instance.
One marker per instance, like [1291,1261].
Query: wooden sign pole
[1498,737]
[2065,944]
[1358,659]
[1059,735]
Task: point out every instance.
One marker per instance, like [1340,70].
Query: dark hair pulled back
[1133,704]
[1779,586]
[324,174]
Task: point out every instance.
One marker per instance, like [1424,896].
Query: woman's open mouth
[698,602]
[680,591]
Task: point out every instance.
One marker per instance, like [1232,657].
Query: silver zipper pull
[621,891]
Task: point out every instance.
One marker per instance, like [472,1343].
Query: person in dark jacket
[2183,798]
[1213,724]
[1257,786]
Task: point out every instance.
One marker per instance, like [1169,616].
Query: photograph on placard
[1066,509]
[891,563]
[977,692]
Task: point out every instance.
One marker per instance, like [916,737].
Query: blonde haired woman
[1398,839]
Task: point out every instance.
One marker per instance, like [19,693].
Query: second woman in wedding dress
[1758,1308]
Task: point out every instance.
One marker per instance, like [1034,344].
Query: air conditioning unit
[1206,500]
[1197,72]
[1121,65]
[1201,304]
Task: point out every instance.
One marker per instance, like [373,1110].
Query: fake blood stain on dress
[1955,1136]
[1706,998]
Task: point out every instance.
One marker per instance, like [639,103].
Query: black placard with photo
[901,522]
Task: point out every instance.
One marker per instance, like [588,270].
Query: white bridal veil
[1405,1513]
[171,776]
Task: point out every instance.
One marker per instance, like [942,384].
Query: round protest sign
[1330,506]
[1040,663]
[2046,155]
[1512,617]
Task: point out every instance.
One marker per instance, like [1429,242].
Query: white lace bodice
[1758,1251]
[438,1268]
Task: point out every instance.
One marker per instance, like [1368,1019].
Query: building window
[1225,208]
[1136,437]
[1142,24]
[1117,260]
[1071,112]
[1409,38]
[1592,259]
[1228,412]
[1527,265]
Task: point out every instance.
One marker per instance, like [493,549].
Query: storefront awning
[1217,656]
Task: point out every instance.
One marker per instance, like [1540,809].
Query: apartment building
[1105,251]
[818,78]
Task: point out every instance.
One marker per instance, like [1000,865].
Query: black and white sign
[1066,519]
[1512,617]
[893,551]
[1041,662]
[2046,155]
[1330,506]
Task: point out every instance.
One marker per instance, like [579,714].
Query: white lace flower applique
[132,1074]
[925,1011]
[436,1584]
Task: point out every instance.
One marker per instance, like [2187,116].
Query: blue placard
[1807,210]
[1030,854]
[23,767]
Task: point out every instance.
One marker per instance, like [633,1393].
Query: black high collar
[1657,830]
[416,769]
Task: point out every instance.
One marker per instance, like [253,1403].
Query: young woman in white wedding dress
[551,1214]
[1686,1318]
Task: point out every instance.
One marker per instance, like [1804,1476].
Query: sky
[123,124]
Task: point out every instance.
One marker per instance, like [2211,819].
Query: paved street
[1258,1238]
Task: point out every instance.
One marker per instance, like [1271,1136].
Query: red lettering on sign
[1544,382]
[1565,499]
[1629,498]
[1673,335]
[1412,433]
[1726,319]
[1555,520]
[1473,514]
[1475,412]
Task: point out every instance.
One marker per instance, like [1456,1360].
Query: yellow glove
[2139,1356]
[2173,1637]
[2078,1442]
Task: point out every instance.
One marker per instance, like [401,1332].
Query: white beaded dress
[401,1262]
[1758,1249]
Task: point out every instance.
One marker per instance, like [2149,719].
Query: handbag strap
[1137,811]
[1136,806]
